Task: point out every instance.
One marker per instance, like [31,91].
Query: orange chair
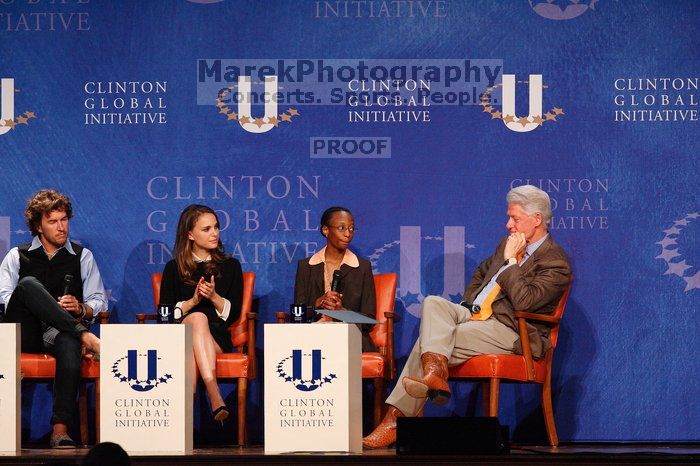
[491,368]
[42,367]
[378,366]
[240,365]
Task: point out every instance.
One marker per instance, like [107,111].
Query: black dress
[229,285]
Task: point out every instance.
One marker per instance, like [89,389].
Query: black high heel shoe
[220,414]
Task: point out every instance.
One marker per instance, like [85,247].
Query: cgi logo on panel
[294,369]
[520,124]
[136,382]
[7,108]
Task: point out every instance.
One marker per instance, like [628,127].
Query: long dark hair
[186,265]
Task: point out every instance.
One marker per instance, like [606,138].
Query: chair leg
[83,409]
[493,397]
[549,413]
[242,395]
[97,411]
[485,394]
[379,398]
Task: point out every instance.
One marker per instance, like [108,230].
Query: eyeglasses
[342,228]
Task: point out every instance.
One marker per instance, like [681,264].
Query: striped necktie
[486,310]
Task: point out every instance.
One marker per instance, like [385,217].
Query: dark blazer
[358,291]
[536,287]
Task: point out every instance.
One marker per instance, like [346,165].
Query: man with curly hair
[53,288]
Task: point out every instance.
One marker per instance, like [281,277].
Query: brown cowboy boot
[433,385]
[385,433]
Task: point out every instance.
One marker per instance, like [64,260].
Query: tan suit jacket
[536,286]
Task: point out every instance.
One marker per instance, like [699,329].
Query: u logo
[454,258]
[508,104]
[244,113]
[7,103]
[291,369]
[132,357]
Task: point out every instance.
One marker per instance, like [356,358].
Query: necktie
[486,310]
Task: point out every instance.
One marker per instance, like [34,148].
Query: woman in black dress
[208,286]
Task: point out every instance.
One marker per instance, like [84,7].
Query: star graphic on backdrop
[293,111]
[285,117]
[2,376]
[693,215]
[550,116]
[537,119]
[410,298]
[288,379]
[29,115]
[496,114]
[487,109]
[683,222]
[668,254]
[508,118]
[667,242]
[122,379]
[523,121]
[232,116]
[693,281]
[672,231]
[558,111]
[219,103]
[274,121]
[10,123]
[677,268]
[258,122]
[20,232]
[244,120]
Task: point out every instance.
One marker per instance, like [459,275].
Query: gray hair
[532,199]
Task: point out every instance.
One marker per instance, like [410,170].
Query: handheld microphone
[67,280]
[336,284]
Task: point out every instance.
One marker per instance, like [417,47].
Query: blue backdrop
[129,108]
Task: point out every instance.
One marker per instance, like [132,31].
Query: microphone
[67,280]
[336,284]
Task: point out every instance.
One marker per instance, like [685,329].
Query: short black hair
[328,214]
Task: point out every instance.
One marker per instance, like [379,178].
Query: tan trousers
[446,328]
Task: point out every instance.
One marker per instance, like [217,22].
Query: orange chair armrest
[282,317]
[252,370]
[538,317]
[527,352]
[142,318]
[393,316]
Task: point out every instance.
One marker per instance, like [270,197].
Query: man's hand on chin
[516,241]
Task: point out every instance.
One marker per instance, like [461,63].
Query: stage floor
[573,454]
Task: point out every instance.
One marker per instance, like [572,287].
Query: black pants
[35,309]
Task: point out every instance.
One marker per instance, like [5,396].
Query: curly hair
[45,202]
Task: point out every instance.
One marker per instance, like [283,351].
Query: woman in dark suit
[315,274]
[208,286]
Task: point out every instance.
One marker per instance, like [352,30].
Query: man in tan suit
[528,272]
